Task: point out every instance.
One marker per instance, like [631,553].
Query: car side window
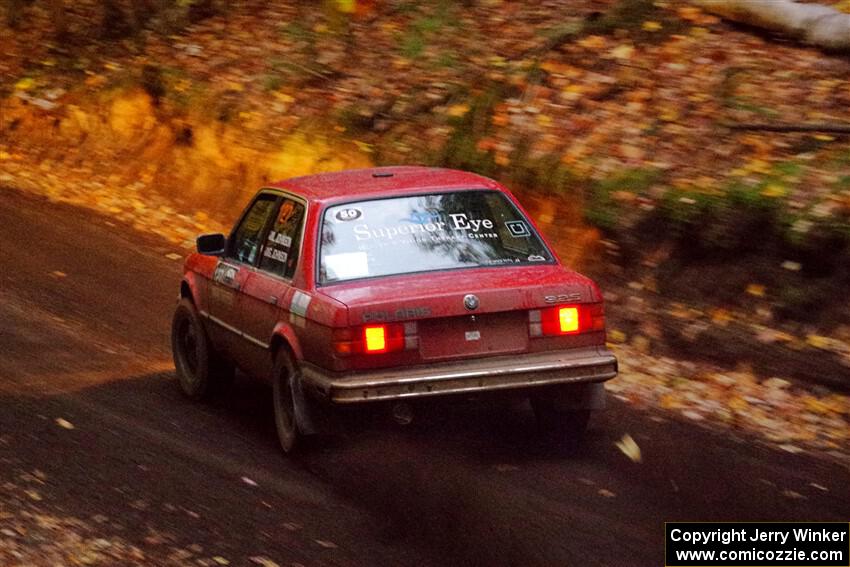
[246,242]
[283,243]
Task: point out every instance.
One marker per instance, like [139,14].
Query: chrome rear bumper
[583,365]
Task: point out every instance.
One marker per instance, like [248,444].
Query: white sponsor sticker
[280,238]
[274,254]
[224,274]
[300,303]
[473,335]
[347,265]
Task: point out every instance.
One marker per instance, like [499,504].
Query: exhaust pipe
[402,413]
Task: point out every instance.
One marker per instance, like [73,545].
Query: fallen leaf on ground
[629,448]
[818,341]
[756,290]
[64,423]
[623,52]
[326,544]
[264,561]
[616,336]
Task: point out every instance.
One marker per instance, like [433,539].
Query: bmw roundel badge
[470,302]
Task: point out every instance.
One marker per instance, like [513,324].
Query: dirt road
[95,434]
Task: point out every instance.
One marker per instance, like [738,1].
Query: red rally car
[390,284]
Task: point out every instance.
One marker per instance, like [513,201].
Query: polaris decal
[562,298]
[404,313]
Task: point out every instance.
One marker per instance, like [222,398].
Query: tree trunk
[59,18]
[814,24]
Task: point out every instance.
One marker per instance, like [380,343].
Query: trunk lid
[446,327]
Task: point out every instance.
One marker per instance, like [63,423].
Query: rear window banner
[425,232]
[458,223]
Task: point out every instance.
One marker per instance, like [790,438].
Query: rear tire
[285,417]
[563,428]
[200,370]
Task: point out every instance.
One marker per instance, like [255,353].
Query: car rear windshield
[421,233]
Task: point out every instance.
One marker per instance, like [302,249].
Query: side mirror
[211,244]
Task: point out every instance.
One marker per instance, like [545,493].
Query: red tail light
[566,320]
[375,339]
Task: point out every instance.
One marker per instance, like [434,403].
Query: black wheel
[285,417]
[564,428]
[200,370]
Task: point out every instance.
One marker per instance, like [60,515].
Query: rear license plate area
[470,335]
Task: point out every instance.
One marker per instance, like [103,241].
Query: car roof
[381,182]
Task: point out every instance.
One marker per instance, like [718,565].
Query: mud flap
[311,419]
